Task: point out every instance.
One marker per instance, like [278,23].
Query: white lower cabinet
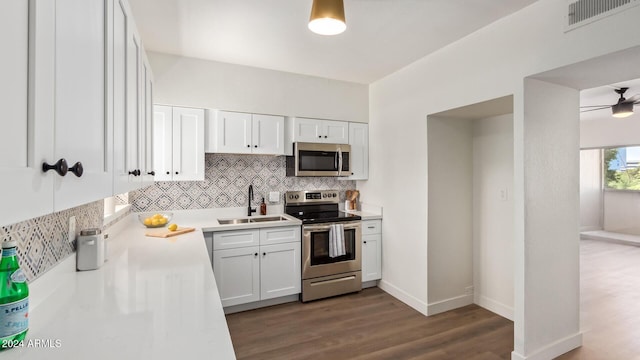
[371,250]
[237,273]
[246,273]
[279,270]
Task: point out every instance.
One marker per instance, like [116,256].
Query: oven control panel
[312,196]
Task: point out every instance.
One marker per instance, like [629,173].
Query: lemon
[173,227]
[157,216]
[148,221]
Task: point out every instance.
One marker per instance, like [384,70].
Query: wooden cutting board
[165,233]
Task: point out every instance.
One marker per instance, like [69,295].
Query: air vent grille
[582,12]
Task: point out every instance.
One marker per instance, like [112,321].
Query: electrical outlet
[504,195]
[468,290]
[72,229]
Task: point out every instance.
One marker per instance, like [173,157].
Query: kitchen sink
[253,220]
[270,218]
[232,221]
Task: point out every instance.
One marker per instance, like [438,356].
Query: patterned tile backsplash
[42,241]
[227,179]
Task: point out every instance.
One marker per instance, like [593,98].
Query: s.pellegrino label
[14,298]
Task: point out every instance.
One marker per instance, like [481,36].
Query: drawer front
[235,239]
[280,235]
[371,227]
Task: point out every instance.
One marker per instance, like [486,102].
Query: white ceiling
[382,36]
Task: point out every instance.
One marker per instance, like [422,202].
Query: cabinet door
[233,132]
[188,144]
[82,128]
[236,238]
[26,190]
[359,157]
[371,257]
[134,121]
[279,235]
[147,117]
[335,132]
[237,273]
[279,270]
[162,142]
[307,130]
[121,18]
[267,134]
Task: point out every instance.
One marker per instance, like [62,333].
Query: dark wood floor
[368,325]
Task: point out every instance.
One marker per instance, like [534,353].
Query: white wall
[488,64]
[622,211]
[609,131]
[493,220]
[590,190]
[450,212]
[209,84]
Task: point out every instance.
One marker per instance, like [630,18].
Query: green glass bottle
[14,298]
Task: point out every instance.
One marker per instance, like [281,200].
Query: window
[621,168]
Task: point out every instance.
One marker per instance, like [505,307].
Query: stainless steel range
[331,244]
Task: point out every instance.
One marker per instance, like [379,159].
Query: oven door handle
[327,227]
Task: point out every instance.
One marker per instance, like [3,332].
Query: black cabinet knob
[168,173]
[77,169]
[248,145]
[152,173]
[255,146]
[256,254]
[264,254]
[319,136]
[60,167]
[365,242]
[176,173]
[325,136]
[135,172]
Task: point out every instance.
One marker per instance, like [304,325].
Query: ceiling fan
[621,109]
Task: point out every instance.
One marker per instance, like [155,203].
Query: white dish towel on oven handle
[336,241]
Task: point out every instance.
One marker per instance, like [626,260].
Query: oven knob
[297,196]
[324,195]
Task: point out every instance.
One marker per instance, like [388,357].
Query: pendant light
[327,17]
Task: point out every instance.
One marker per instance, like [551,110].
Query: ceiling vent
[583,12]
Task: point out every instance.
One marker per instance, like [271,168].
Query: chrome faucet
[249,209]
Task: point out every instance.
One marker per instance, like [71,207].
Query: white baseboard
[449,304]
[552,350]
[590,228]
[495,306]
[261,304]
[403,296]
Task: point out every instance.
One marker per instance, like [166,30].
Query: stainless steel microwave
[311,159]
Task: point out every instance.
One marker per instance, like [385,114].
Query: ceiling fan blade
[634,98]
[600,108]
[593,106]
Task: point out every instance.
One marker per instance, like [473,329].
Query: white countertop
[155,298]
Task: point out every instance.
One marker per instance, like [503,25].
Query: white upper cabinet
[359,141]
[26,191]
[126,101]
[83,133]
[243,133]
[148,171]
[318,131]
[178,143]
[267,134]
[230,133]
